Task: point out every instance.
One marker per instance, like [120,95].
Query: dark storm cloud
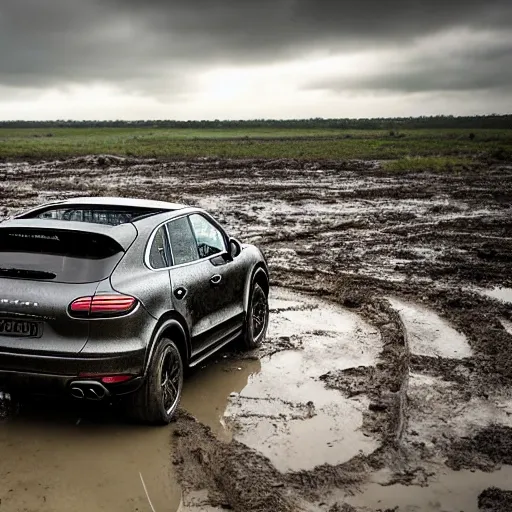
[136,42]
[283,22]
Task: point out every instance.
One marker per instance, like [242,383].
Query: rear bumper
[53,375]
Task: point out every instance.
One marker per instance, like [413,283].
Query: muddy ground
[385,382]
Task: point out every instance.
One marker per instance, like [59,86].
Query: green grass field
[405,149]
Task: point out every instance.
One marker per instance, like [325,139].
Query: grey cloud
[53,42]
[293,20]
[473,68]
[157,44]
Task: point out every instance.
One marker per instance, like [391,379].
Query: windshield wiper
[24,273]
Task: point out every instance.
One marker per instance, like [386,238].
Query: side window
[158,257]
[209,238]
[183,244]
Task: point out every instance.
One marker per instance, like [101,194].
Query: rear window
[96,215]
[57,255]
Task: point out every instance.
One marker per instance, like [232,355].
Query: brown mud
[495,500]
[410,254]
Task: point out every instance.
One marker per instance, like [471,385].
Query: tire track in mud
[413,462]
[402,408]
[459,417]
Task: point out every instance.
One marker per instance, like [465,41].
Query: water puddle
[500,293]
[438,411]
[323,326]
[57,458]
[439,408]
[285,412]
[206,393]
[507,325]
[428,334]
[294,420]
[448,491]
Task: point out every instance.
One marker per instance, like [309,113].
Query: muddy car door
[228,275]
[193,294]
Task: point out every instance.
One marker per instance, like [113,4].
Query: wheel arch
[259,275]
[171,325]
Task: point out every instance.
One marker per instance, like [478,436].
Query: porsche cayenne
[113,298]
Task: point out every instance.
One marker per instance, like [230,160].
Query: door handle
[216,279]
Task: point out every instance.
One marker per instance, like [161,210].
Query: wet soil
[421,264]
[495,500]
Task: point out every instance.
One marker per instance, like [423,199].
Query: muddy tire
[158,398]
[256,323]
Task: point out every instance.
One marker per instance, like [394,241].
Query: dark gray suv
[104,298]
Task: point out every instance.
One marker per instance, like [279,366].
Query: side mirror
[235,247]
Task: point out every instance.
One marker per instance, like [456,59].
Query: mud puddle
[443,404]
[428,334]
[500,293]
[56,456]
[56,459]
[449,491]
[285,412]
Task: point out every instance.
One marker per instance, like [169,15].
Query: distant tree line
[396,123]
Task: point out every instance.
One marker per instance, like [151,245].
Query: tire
[156,401]
[255,331]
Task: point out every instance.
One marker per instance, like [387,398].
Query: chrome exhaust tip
[77,393]
[94,393]
[89,390]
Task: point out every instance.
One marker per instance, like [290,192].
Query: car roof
[118,201]
[157,212]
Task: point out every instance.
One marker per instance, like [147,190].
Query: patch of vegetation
[429,163]
[406,149]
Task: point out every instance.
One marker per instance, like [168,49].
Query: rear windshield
[97,215]
[57,255]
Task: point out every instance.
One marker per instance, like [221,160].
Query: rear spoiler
[123,234]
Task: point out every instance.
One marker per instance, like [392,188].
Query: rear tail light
[115,379]
[107,379]
[102,306]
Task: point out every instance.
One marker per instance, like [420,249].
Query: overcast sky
[242,59]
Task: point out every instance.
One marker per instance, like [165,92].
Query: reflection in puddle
[206,392]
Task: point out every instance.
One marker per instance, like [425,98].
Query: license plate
[23,328]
